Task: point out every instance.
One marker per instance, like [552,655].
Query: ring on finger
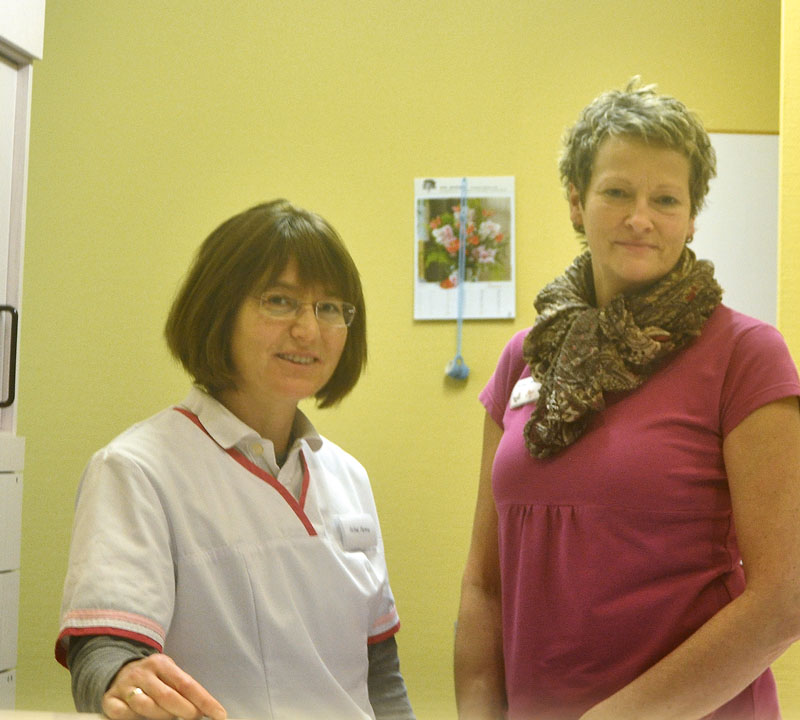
[133,693]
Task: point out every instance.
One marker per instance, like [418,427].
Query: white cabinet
[10,527]
[21,39]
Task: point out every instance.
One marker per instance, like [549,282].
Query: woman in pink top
[635,550]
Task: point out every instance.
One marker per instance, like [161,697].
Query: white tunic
[182,541]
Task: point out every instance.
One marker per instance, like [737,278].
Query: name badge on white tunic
[524,392]
[357,532]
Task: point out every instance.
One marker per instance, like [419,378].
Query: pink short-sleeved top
[617,549]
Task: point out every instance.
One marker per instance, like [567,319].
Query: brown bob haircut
[243,257]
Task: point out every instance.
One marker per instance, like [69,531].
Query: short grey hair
[641,113]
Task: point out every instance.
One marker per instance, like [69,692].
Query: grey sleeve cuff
[387,690]
[94,661]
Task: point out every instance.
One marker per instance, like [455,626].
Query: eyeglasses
[333,313]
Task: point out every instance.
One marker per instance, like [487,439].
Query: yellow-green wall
[787,669]
[154,121]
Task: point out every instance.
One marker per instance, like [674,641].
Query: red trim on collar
[297,507]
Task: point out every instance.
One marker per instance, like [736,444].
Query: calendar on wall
[488,262]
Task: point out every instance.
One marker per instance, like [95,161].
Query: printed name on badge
[357,532]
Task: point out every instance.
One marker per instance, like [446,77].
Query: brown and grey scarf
[578,351]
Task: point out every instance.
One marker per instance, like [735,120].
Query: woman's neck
[272,423]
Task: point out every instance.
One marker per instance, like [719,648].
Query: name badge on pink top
[524,392]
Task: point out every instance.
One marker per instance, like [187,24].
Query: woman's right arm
[479,675]
[127,680]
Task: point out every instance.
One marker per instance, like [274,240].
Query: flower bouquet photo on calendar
[488,258]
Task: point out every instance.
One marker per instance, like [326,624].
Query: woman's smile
[297,359]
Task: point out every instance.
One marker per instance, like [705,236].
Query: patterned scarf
[578,351]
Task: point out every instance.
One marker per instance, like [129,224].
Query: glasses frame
[348,309]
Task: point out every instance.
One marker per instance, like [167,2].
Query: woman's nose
[305,320]
[639,219]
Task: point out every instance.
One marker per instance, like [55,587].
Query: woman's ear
[690,231]
[575,208]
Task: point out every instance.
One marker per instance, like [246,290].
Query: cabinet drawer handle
[12,358]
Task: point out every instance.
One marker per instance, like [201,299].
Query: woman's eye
[667,200]
[329,308]
[614,193]
[278,301]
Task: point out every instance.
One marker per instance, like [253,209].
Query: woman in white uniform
[227,559]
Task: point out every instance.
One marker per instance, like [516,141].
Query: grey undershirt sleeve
[387,690]
[94,661]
